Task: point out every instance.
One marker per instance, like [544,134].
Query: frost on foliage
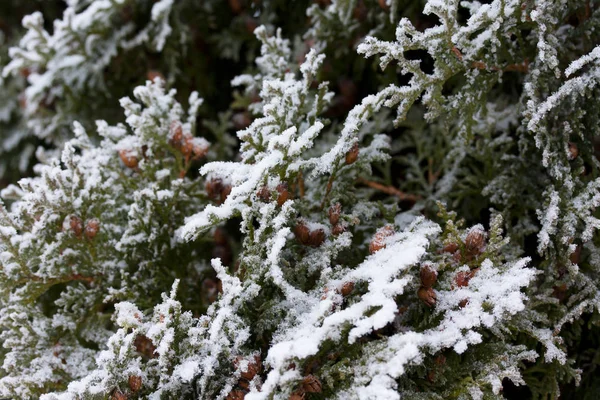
[73,58]
[75,231]
[477,52]
[549,221]
[172,360]
[273,145]
[553,135]
[507,366]
[223,334]
[324,285]
[16,149]
[183,355]
[272,63]
[455,51]
[338,21]
[493,295]
[542,114]
[384,272]
[496,289]
[271,149]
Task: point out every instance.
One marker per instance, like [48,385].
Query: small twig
[431,176]
[457,52]
[79,277]
[389,190]
[301,184]
[522,67]
[329,186]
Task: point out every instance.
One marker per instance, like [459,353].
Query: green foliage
[312,244]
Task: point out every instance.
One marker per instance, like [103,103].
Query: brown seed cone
[213,188]
[128,158]
[560,292]
[235,395]
[462,278]
[573,151]
[153,74]
[225,193]
[187,145]
[463,303]
[135,383]
[334,213]
[427,296]
[457,256]
[378,241]
[254,367]
[360,11]
[352,154]
[118,395]
[297,396]
[145,151]
[475,240]
[251,24]
[25,72]
[347,288]
[91,228]
[76,225]
[236,6]
[244,384]
[284,194]
[317,237]
[576,255]
[264,194]
[428,275]
[311,384]
[199,150]
[450,248]
[302,233]
[338,229]
[144,345]
[176,135]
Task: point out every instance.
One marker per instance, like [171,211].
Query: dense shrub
[271,199]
